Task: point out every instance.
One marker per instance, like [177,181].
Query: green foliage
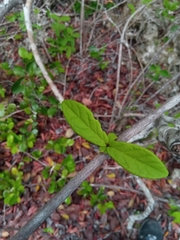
[131,7]
[48,230]
[175,213]
[98,199]
[133,158]
[91,7]
[137,160]
[11,186]
[2,91]
[83,123]
[19,17]
[58,173]
[59,145]
[97,54]
[32,103]
[169,8]
[156,72]
[65,36]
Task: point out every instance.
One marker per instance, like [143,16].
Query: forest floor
[86,82]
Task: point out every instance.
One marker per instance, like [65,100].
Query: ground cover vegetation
[98,57]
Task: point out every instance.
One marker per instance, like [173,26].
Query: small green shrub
[97,53]
[175,213]
[131,157]
[64,38]
[91,7]
[156,72]
[58,172]
[98,199]
[11,187]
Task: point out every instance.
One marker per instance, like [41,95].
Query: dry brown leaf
[26,177]
[50,161]
[69,133]
[86,145]
[65,216]
[5,234]
[111,175]
[110,193]
[86,101]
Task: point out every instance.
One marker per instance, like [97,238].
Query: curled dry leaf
[86,101]
[5,234]
[110,193]
[69,133]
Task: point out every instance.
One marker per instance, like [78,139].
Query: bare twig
[145,69]
[81,27]
[120,56]
[27,10]
[3,118]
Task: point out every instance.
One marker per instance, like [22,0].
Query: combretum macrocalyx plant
[133,158]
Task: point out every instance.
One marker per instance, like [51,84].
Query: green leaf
[68,200]
[2,110]
[48,230]
[83,123]
[52,187]
[64,19]
[19,71]
[33,69]
[2,91]
[112,137]
[17,87]
[52,111]
[176,216]
[24,53]
[102,149]
[131,7]
[137,160]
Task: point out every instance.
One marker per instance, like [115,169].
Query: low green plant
[33,102]
[48,230]
[60,145]
[156,72]
[11,187]
[64,38]
[58,172]
[169,8]
[91,7]
[175,213]
[131,7]
[135,159]
[98,199]
[97,53]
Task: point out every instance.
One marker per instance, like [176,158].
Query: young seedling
[133,158]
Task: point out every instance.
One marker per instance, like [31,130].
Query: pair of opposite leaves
[135,159]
